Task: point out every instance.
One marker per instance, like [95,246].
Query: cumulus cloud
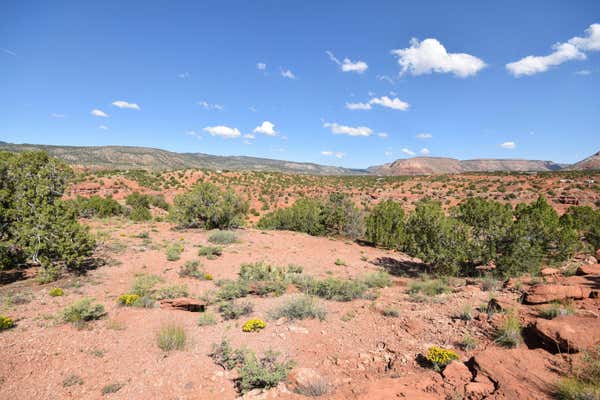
[573,49]
[209,106]
[408,152]
[394,103]
[98,113]
[336,154]
[261,66]
[508,145]
[286,73]
[424,151]
[266,128]
[249,136]
[124,104]
[431,56]
[222,131]
[347,65]
[337,129]
[424,135]
[358,106]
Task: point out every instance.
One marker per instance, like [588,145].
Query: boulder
[457,374]
[546,293]
[590,269]
[480,388]
[184,303]
[550,271]
[517,373]
[569,333]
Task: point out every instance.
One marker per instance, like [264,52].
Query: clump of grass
[143,285]
[72,380]
[468,342]
[210,252]
[466,314]
[584,381]
[317,387]
[223,237]
[112,388]
[490,283]
[171,337]
[440,357]
[348,316]
[226,356]
[82,311]
[56,292]
[207,319]
[340,262]
[229,290]
[509,334]
[174,252]
[429,287]
[234,310]
[254,325]
[556,309]
[390,311]
[299,307]
[171,292]
[192,269]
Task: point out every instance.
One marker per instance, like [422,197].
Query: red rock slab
[590,269]
[546,293]
[184,303]
[569,333]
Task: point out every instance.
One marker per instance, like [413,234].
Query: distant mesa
[130,157]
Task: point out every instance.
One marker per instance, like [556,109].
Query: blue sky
[284,79]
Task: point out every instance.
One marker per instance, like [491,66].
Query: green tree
[438,240]
[37,225]
[385,225]
[206,206]
[586,221]
[489,221]
[303,216]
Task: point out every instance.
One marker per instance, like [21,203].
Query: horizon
[342,85]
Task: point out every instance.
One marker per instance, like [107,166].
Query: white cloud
[583,72]
[348,130]
[56,115]
[431,56]
[252,108]
[358,106]
[266,128]
[408,152]
[386,78]
[209,106]
[124,104]
[508,145]
[573,49]
[249,136]
[336,154]
[222,131]
[184,75]
[394,103]
[424,151]
[286,73]
[193,133]
[103,127]
[383,135]
[261,66]
[98,113]
[354,66]
[424,136]
[348,65]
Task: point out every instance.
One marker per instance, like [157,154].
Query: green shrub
[112,388]
[207,319]
[234,310]
[174,252]
[139,214]
[140,206]
[509,334]
[192,269]
[385,225]
[264,372]
[468,342]
[96,206]
[332,288]
[303,216]
[584,381]
[586,221]
[56,292]
[390,311]
[223,237]
[6,322]
[143,285]
[429,287]
[226,356]
[556,309]
[229,290]
[171,292]
[171,337]
[210,252]
[299,307]
[207,207]
[82,311]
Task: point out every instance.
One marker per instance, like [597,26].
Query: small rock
[457,374]
[591,269]
[297,329]
[570,333]
[549,271]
